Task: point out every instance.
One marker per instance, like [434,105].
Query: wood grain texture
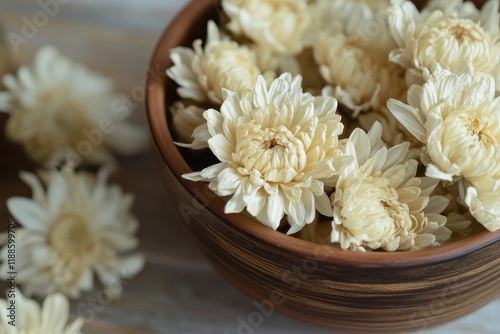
[365,292]
[179,291]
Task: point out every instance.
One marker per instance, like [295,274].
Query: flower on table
[56,104]
[276,144]
[379,203]
[277,25]
[445,38]
[51,317]
[78,226]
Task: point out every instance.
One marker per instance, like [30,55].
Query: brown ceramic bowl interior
[352,291]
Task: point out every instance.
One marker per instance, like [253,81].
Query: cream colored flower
[379,203]
[445,39]
[276,145]
[277,25]
[186,118]
[457,118]
[344,16]
[30,318]
[57,106]
[360,78]
[222,63]
[483,200]
[76,227]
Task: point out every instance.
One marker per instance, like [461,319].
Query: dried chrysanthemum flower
[359,76]
[277,25]
[78,226]
[457,118]
[51,318]
[203,72]
[380,203]
[58,107]
[186,117]
[276,144]
[425,40]
[344,16]
[483,200]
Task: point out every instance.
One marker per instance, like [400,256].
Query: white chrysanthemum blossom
[222,63]
[56,105]
[77,227]
[365,19]
[489,15]
[277,25]
[51,317]
[446,39]
[276,146]
[457,118]
[483,200]
[380,203]
[186,118]
[344,16]
[358,77]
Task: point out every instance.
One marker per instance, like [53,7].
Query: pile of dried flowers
[266,90]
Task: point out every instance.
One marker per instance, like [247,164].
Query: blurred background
[178,291]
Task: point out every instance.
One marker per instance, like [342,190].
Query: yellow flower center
[451,40]
[464,31]
[481,131]
[371,208]
[70,236]
[275,153]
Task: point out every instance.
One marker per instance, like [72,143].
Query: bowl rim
[156,110]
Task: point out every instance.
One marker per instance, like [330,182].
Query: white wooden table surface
[178,292]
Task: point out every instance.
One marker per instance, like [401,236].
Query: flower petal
[28,213]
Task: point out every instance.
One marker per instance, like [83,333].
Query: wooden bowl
[344,290]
